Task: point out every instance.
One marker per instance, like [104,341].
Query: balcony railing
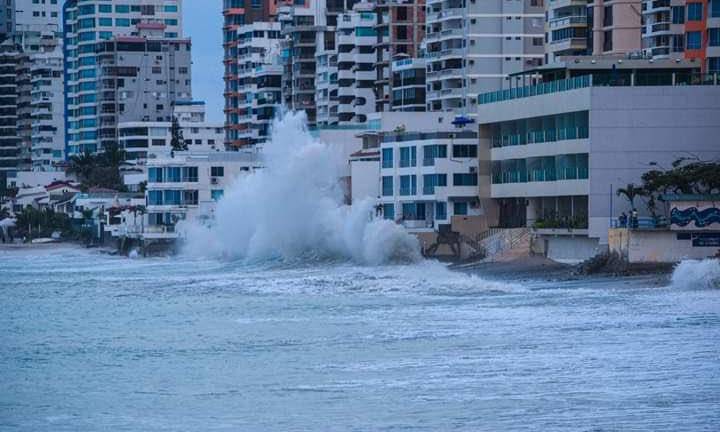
[608,80]
[540,136]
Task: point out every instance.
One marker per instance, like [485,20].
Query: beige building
[602,27]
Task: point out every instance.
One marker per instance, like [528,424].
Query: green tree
[177,140]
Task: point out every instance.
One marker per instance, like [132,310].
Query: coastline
[535,268]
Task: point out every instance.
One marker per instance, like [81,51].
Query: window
[678,15]
[122,9]
[460,208]
[465,179]
[155,175]
[217,194]
[678,43]
[388,211]
[608,16]
[122,22]
[465,151]
[413,211]
[440,211]
[714,8]
[190,174]
[693,40]
[714,65]
[430,181]
[387,186]
[694,11]
[608,41]
[408,185]
[408,157]
[387,158]
[217,171]
[155,198]
[105,8]
[714,37]
[432,152]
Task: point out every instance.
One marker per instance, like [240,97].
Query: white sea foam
[697,274]
[293,209]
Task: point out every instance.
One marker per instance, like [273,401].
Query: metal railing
[608,80]
[540,136]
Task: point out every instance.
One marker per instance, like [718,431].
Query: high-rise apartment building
[302,25]
[143,61]
[400,32]
[326,80]
[14,110]
[47,107]
[254,97]
[356,45]
[7,14]
[32,27]
[679,28]
[473,46]
[237,13]
[310,31]
[582,27]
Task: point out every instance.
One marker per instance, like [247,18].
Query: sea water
[91,342]
[296,312]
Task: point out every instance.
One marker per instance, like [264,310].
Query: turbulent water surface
[92,342]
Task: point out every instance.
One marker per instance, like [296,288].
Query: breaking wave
[293,209]
[697,274]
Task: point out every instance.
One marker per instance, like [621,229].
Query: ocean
[92,342]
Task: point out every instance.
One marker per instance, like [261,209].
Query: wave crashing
[293,209]
[697,274]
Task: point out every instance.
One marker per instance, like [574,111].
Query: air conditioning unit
[473,170]
[214,180]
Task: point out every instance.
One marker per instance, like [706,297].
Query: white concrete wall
[630,127]
[571,250]
[655,247]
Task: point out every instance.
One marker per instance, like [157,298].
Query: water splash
[293,209]
[697,274]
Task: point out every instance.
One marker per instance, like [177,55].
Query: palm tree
[631,192]
[81,165]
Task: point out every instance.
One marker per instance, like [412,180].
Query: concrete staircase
[506,244]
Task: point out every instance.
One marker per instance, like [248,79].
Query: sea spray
[697,274]
[293,209]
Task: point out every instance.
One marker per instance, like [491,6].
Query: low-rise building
[145,139]
[187,186]
[693,233]
[561,149]
[429,174]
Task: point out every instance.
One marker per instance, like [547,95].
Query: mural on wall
[692,217]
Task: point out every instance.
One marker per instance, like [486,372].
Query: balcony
[540,136]
[567,21]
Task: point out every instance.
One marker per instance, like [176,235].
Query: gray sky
[203,23]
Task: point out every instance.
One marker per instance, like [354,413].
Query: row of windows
[419,211]
[172,174]
[89,9]
[408,183]
[408,155]
[172,197]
